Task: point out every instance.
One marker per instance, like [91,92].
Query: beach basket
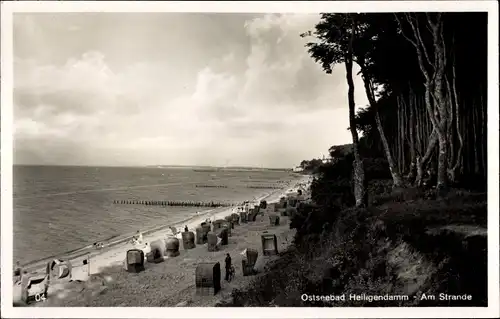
[269,244]
[212,241]
[134,261]
[252,216]
[207,279]
[229,219]
[217,224]
[227,226]
[246,268]
[32,285]
[206,227]
[235,219]
[274,220]
[172,244]
[223,234]
[251,255]
[188,240]
[292,202]
[59,269]
[263,204]
[271,207]
[283,202]
[158,250]
[201,236]
[243,217]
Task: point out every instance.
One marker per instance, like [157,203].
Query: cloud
[264,102]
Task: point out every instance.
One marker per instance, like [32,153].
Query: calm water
[57,209]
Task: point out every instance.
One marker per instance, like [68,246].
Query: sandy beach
[171,282]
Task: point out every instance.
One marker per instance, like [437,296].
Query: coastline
[112,242]
[112,255]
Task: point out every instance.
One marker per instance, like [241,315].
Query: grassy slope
[404,243]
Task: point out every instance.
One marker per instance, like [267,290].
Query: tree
[333,32]
[311,166]
[405,117]
[433,70]
[337,35]
[391,62]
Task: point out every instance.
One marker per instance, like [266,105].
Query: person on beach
[228,266]
[18,272]
[186,228]
[138,237]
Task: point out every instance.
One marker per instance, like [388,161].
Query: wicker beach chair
[134,261]
[207,279]
[172,247]
[188,240]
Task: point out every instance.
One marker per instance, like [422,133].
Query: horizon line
[153,166]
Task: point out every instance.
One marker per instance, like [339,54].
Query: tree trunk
[403,139]
[484,137]
[418,125]
[422,162]
[474,139]
[458,160]
[396,177]
[360,194]
[442,106]
[413,156]
[449,127]
[438,112]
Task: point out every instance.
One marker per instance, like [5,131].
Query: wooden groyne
[263,187]
[165,203]
[261,181]
[211,186]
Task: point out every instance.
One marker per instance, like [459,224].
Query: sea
[57,209]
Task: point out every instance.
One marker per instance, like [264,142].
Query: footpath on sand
[172,282]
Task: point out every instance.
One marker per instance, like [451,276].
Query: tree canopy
[384,48]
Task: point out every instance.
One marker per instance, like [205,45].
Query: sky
[127,89]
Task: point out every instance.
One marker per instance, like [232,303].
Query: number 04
[40,297]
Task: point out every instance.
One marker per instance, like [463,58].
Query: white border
[263,6]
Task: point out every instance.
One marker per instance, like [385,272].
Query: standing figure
[18,272]
[228,266]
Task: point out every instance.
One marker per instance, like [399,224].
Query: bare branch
[441,34]
[403,33]
[433,25]
[419,51]
[422,43]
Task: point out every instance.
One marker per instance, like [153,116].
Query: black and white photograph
[216,155]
